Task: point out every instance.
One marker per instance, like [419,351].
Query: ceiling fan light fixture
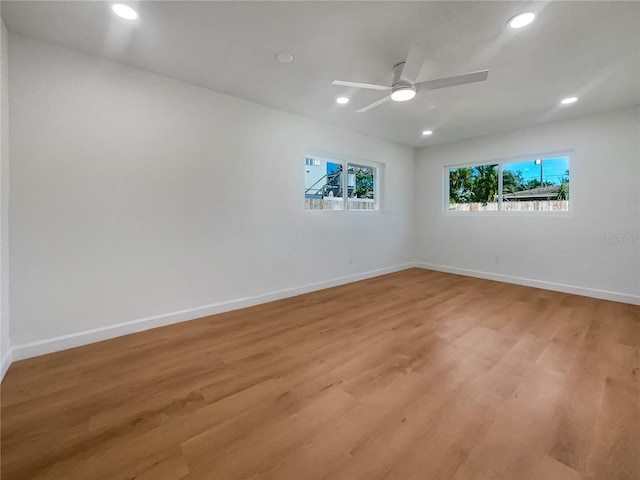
[403,93]
[522,20]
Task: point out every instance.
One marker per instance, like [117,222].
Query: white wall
[134,196]
[5,343]
[566,253]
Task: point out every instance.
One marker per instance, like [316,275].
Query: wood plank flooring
[413,375]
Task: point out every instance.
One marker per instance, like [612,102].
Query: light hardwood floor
[413,375]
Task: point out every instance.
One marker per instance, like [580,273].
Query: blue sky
[332,167]
[552,168]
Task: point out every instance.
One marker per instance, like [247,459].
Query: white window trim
[500,162]
[345,161]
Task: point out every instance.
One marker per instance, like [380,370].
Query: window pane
[536,185]
[323,185]
[473,189]
[361,187]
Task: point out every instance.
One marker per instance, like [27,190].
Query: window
[325,180]
[535,185]
[323,185]
[361,182]
[538,185]
[473,188]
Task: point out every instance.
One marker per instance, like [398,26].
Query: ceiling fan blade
[413,64]
[370,86]
[452,81]
[374,104]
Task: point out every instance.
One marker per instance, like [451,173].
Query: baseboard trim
[5,363]
[49,345]
[530,282]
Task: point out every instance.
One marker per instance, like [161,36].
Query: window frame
[345,162]
[500,162]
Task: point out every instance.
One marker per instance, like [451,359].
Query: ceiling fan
[405,74]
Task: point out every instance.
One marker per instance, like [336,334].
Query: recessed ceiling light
[569,100]
[284,57]
[342,100]
[402,94]
[124,11]
[522,20]
[427,132]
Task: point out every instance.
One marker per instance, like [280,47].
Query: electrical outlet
[496,259]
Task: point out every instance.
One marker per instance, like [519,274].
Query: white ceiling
[582,48]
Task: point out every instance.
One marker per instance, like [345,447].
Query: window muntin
[539,184]
[325,179]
